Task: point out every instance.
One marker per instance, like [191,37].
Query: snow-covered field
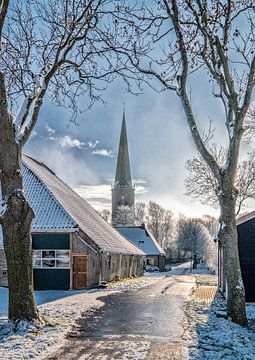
[213,337]
[61,309]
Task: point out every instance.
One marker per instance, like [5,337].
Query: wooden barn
[142,238]
[246,245]
[73,247]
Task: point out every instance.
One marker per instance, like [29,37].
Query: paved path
[142,324]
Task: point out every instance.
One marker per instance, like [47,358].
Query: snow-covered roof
[142,238]
[245,218]
[50,214]
[58,207]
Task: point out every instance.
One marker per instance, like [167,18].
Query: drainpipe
[120,266]
[100,266]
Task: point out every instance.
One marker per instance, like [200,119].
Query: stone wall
[80,245]
[121,266]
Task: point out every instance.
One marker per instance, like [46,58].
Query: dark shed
[246,244]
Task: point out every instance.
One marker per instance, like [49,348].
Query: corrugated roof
[142,238]
[58,207]
[50,214]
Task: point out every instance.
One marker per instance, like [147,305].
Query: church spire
[123,173]
[123,192]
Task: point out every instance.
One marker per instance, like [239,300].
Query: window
[109,262]
[48,259]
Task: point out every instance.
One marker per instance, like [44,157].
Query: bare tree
[140,213]
[212,224]
[54,47]
[160,222]
[124,216]
[249,124]
[170,40]
[202,185]
[105,214]
[194,239]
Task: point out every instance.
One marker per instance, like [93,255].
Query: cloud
[33,134]
[49,130]
[98,196]
[103,152]
[68,167]
[68,142]
[139,190]
[92,145]
[140,186]
[140,181]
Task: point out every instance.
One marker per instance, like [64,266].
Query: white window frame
[55,258]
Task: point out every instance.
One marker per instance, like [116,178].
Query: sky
[85,155]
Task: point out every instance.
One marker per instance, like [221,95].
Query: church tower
[123,192]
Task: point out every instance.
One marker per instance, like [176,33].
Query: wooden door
[80,272]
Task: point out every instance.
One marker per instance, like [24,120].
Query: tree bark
[16,226]
[15,219]
[229,239]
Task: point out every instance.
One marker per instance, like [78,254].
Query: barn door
[80,272]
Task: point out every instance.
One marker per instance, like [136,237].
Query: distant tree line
[182,238]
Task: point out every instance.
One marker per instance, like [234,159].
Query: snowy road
[142,324]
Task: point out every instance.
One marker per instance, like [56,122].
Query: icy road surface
[145,324]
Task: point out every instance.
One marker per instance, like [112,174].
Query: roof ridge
[69,187]
[41,164]
[154,239]
[47,187]
[81,212]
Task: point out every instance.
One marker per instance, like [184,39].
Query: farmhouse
[143,239]
[73,247]
[246,245]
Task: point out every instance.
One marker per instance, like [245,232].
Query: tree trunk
[229,239]
[15,220]
[16,226]
[17,245]
[194,261]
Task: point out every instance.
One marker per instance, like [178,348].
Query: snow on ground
[120,350]
[61,309]
[211,336]
[186,268]
[134,284]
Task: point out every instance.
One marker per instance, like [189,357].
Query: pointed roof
[123,173]
[142,238]
[59,208]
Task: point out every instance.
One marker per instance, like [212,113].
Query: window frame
[41,258]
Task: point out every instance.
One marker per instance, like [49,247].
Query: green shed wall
[51,241]
[51,279]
